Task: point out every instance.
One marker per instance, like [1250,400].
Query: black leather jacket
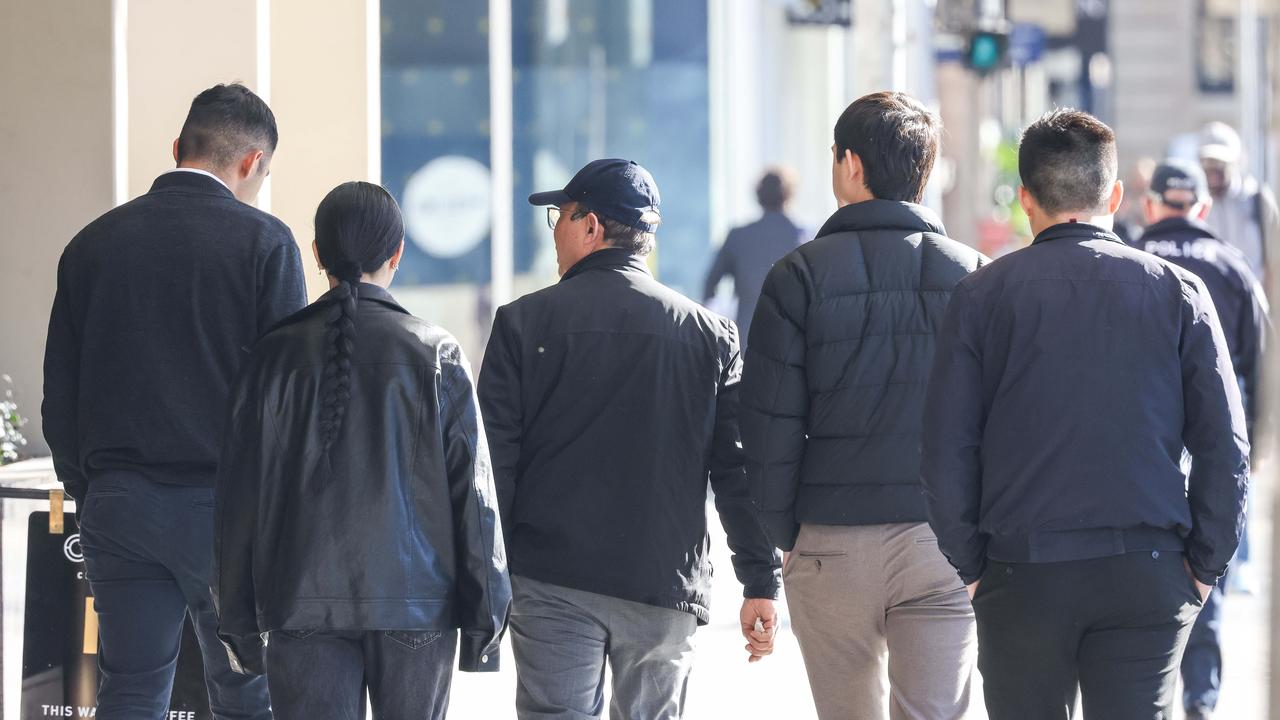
[396,528]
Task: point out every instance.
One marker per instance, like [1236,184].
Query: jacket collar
[369,291]
[883,215]
[1181,226]
[366,291]
[190,182]
[1075,231]
[607,259]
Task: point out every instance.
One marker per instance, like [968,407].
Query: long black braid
[358,228]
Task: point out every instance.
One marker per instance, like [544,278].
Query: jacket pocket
[821,553]
[413,639]
[295,634]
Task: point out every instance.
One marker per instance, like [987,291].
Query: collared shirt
[198,171]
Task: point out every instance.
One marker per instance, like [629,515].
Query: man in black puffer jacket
[834,385]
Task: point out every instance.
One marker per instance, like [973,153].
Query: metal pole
[501,155]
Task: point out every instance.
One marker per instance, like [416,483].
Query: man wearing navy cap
[1175,209]
[609,401]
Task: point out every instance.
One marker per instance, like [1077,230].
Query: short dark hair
[226,122]
[897,140]
[775,188]
[1067,161]
[620,235]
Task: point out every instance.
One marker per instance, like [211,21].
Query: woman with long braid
[357,524]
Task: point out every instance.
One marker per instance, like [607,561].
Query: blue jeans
[1202,661]
[324,674]
[148,552]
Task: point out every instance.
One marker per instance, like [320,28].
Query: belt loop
[1117,541]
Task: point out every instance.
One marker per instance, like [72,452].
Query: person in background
[751,250]
[1244,212]
[155,300]
[1175,208]
[1129,218]
[1244,215]
[1071,377]
[611,402]
[832,401]
[356,520]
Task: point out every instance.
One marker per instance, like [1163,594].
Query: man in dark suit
[751,250]
[155,301]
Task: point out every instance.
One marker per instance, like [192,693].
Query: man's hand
[972,588]
[1201,588]
[759,642]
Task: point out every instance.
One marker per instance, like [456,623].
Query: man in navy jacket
[1068,380]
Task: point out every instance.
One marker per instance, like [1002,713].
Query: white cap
[1219,141]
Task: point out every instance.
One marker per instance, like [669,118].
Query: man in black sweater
[833,394]
[1070,377]
[1175,209]
[155,302]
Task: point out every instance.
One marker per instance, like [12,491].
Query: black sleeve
[951,466]
[60,409]
[483,591]
[775,398]
[1253,326]
[1214,433]
[719,268]
[500,404]
[235,521]
[755,562]
[282,291]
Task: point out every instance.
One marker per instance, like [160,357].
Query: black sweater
[155,301]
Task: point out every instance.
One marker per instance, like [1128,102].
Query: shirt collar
[198,171]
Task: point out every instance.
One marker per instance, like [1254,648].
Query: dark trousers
[324,674]
[148,551]
[1112,628]
[1202,662]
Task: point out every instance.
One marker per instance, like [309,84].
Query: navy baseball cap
[1178,183]
[617,189]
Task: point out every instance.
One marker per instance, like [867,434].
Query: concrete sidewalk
[724,685]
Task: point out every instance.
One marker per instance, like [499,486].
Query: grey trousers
[884,623]
[562,638]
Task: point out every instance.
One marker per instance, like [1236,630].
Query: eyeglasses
[553,216]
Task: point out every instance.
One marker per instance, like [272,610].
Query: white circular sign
[71,548]
[447,206]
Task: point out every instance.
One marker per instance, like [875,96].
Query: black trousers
[1111,628]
